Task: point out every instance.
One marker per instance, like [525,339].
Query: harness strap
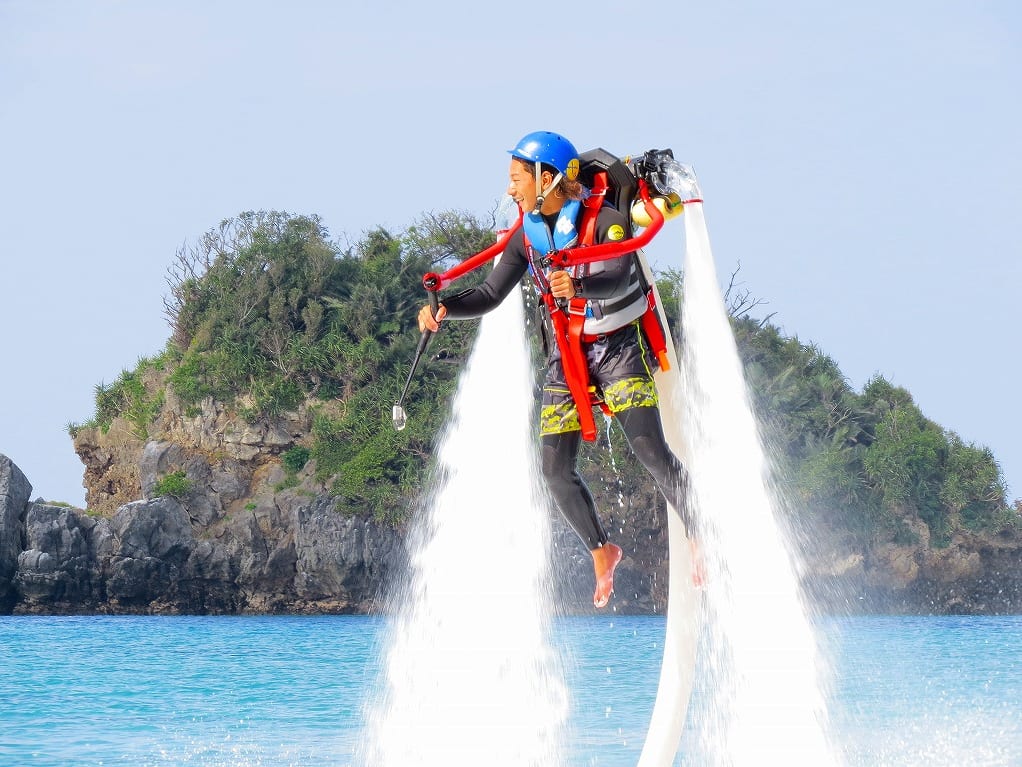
[576,321]
[567,333]
[654,331]
[593,203]
[568,328]
[568,325]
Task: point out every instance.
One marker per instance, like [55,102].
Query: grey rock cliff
[243,537]
[59,565]
[147,558]
[281,551]
[14,493]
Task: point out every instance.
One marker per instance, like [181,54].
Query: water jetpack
[626,186]
[651,188]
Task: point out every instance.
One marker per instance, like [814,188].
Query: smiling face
[522,185]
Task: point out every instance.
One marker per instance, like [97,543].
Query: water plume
[470,677]
[765,697]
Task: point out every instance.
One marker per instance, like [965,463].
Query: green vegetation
[266,312]
[294,460]
[872,461]
[175,484]
[129,397]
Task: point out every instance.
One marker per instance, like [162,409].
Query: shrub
[295,459]
[175,484]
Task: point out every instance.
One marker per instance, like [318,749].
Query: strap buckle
[577,307]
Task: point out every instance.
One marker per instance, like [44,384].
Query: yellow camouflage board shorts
[621,368]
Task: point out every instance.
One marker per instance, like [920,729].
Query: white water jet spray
[767,707]
[470,677]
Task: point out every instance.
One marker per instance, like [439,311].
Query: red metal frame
[587,254]
[583,254]
[434,282]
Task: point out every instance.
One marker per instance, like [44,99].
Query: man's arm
[477,301]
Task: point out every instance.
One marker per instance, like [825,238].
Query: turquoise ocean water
[283,691]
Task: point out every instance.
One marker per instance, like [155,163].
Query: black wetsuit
[620,366]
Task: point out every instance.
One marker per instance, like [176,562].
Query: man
[543,181]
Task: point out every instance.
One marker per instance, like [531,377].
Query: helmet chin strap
[541,193]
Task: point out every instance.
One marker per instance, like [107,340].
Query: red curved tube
[583,254]
[435,282]
[587,254]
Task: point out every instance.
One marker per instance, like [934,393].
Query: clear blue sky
[861,161]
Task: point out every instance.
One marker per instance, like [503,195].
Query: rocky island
[236,537]
[248,468]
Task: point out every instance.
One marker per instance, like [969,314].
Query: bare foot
[605,559]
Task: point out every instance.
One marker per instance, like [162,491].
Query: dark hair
[571,189]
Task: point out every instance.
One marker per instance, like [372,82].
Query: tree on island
[267,312]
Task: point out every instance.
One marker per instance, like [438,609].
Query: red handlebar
[435,282]
[587,254]
[583,254]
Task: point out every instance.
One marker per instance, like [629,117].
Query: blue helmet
[550,148]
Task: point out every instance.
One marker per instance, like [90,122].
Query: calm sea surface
[281,691]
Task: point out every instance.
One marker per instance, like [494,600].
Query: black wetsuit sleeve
[616,274]
[477,301]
